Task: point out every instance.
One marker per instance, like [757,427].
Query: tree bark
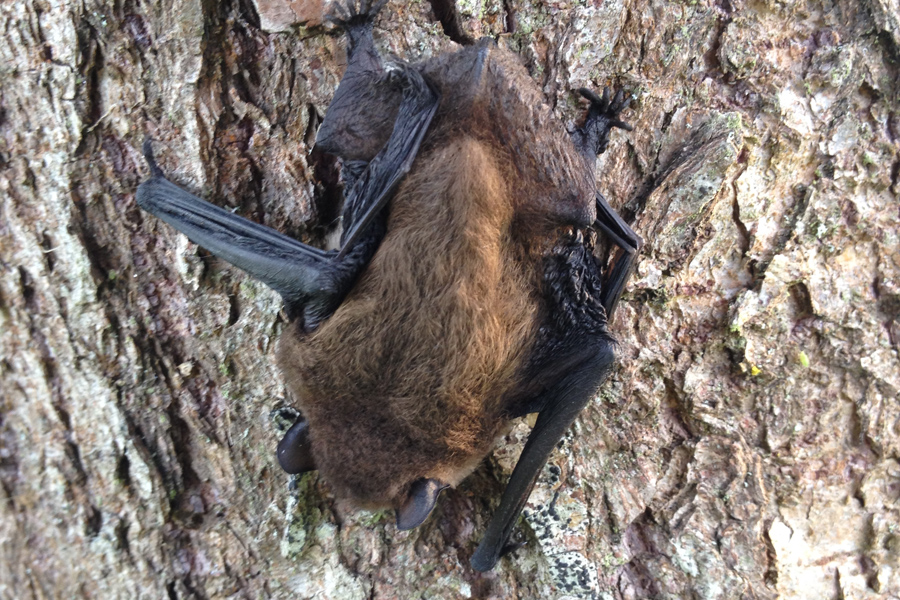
[747,445]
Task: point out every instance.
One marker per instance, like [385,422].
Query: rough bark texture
[748,445]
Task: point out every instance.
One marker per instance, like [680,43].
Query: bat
[465,292]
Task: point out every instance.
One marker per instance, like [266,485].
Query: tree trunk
[747,445]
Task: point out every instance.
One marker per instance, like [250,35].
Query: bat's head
[361,116]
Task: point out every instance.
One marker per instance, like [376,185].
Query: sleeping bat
[465,292]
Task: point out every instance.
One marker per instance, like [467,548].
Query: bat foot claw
[603,106]
[353,13]
[602,116]
[513,545]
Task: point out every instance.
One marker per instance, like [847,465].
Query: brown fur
[407,379]
[549,183]
[415,373]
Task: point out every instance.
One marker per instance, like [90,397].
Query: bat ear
[294,449]
[422,497]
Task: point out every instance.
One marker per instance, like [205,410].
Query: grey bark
[748,445]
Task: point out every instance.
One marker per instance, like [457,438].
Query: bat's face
[361,116]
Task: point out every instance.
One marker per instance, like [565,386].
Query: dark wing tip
[485,558]
[147,148]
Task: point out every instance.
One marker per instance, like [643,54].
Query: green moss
[733,121]
[611,561]
[294,539]
[371,519]
[249,289]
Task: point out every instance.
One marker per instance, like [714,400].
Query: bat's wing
[584,360]
[376,186]
[360,123]
[311,281]
[307,278]
[628,242]
[284,264]
[562,403]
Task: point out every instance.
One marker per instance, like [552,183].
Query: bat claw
[511,547]
[147,149]
[395,73]
[353,14]
[602,116]
[590,95]
[603,106]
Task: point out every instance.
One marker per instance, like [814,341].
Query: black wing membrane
[629,244]
[302,274]
[560,405]
[289,267]
[376,186]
